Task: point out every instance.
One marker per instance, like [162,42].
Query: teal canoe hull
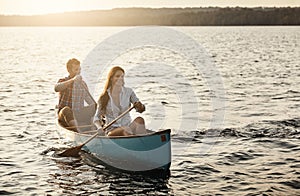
[136,153]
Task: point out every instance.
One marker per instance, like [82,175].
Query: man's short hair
[71,62]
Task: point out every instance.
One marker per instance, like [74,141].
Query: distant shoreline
[210,16]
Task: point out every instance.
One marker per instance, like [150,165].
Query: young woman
[114,100]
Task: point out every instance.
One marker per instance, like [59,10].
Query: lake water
[234,118]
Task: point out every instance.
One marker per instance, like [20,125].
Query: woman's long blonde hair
[104,97]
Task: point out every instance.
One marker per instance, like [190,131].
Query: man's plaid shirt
[74,95]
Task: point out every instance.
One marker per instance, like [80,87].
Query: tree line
[162,16]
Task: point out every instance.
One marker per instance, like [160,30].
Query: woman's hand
[101,132]
[139,107]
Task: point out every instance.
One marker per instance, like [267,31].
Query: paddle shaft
[112,122]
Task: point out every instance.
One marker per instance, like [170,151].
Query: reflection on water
[84,176]
[255,152]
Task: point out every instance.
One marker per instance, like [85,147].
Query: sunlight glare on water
[255,152]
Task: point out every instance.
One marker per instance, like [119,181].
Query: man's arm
[61,86]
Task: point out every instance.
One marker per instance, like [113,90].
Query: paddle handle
[112,122]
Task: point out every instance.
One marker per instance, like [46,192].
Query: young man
[73,92]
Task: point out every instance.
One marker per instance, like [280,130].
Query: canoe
[151,151]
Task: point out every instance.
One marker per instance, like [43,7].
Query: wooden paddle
[74,151]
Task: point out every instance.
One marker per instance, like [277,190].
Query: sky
[33,7]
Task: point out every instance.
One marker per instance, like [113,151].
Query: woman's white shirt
[127,96]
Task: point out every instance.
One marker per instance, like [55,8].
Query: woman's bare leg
[138,126]
[118,132]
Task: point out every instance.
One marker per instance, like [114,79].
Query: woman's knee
[117,132]
[139,120]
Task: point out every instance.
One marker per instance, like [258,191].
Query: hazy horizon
[36,7]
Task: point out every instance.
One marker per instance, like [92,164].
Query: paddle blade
[71,152]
